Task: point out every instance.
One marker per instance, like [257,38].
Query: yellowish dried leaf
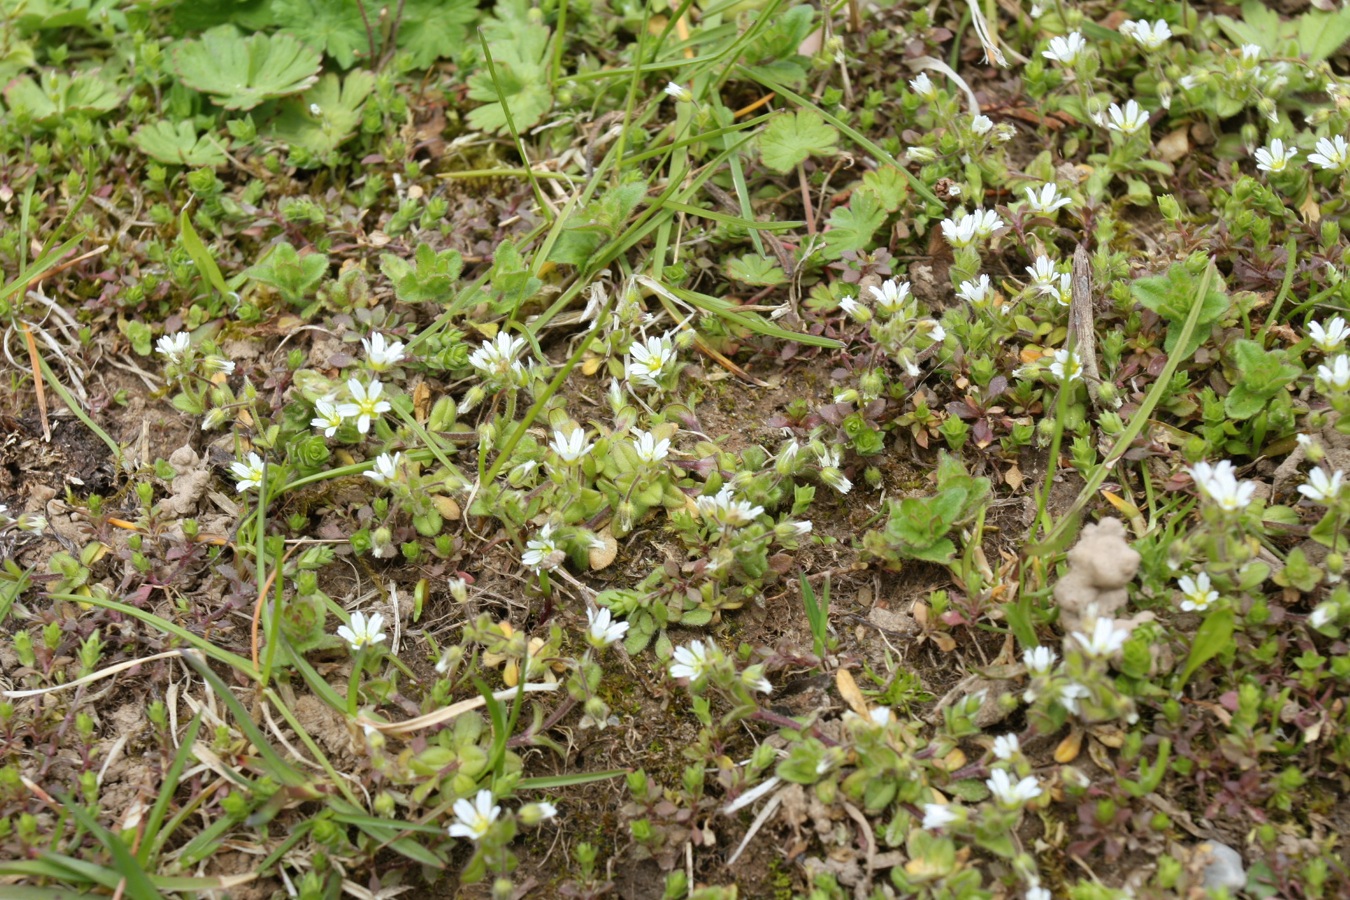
[602,552]
[448,507]
[848,689]
[1070,747]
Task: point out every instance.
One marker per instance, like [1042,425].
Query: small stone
[1224,867]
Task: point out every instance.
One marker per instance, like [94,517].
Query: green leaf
[322,118]
[888,185]
[179,145]
[289,272]
[201,257]
[852,227]
[55,95]
[431,277]
[1211,639]
[333,26]
[1320,34]
[792,137]
[240,73]
[519,48]
[756,270]
[433,28]
[1171,296]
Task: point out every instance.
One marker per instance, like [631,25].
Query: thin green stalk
[79,413]
[539,198]
[354,683]
[1137,421]
[1291,259]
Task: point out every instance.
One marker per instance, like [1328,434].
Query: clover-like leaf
[178,144]
[791,138]
[239,72]
[325,116]
[333,26]
[522,78]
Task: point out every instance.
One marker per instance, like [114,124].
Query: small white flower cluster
[543,551]
[965,230]
[1329,154]
[1220,484]
[1106,639]
[178,350]
[498,361]
[699,659]
[1048,281]
[724,510]
[1067,366]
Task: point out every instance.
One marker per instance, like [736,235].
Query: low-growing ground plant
[757,449]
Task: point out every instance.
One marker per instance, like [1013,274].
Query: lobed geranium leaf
[179,144]
[241,73]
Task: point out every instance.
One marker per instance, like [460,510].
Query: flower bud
[385,805]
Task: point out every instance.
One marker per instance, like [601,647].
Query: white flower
[679,92]
[981,124]
[33,523]
[473,820]
[975,291]
[1337,373]
[1043,275]
[753,678]
[213,364]
[1012,795]
[1066,49]
[1062,289]
[937,816]
[1048,200]
[380,354]
[1038,660]
[721,509]
[1150,36]
[363,632]
[315,110]
[1219,482]
[1197,592]
[829,470]
[1250,53]
[1321,487]
[1128,120]
[920,154]
[986,222]
[1036,892]
[648,449]
[1275,157]
[570,447]
[1332,153]
[366,403]
[1006,746]
[1070,694]
[328,418]
[248,474]
[1106,639]
[498,359]
[960,233]
[936,333]
[601,630]
[650,361]
[849,306]
[891,295]
[542,552]
[1322,615]
[694,661]
[1328,337]
[385,469]
[174,346]
[1067,366]
[880,716]
[923,86]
